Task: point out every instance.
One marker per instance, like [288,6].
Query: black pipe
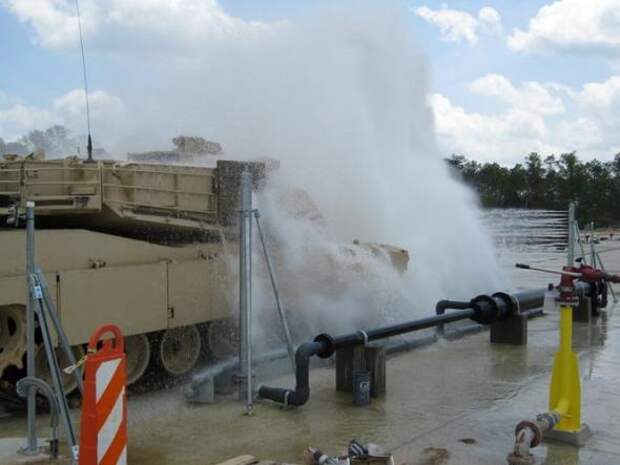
[483,309]
[530,299]
[443,305]
[301,393]
[331,344]
[324,346]
[508,303]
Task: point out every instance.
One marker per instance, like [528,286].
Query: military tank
[146,246]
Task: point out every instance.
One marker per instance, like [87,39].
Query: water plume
[339,97]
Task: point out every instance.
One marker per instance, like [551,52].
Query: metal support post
[245,291]
[592,248]
[31,445]
[611,288]
[52,312]
[583,256]
[570,259]
[287,333]
[52,362]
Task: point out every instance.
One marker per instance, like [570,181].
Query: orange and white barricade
[103,430]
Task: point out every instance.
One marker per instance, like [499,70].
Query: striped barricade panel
[103,439]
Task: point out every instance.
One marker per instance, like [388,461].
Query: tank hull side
[97,278]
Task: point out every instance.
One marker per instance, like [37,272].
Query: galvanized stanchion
[274,284]
[245,291]
[52,313]
[592,248]
[570,259]
[583,256]
[52,362]
[31,445]
[611,288]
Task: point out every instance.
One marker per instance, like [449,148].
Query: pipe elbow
[529,434]
[300,395]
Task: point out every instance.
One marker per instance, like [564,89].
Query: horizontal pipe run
[530,299]
[324,346]
[228,366]
[331,344]
[483,309]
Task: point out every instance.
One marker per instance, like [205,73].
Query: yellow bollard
[565,389]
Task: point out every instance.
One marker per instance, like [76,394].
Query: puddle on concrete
[436,456]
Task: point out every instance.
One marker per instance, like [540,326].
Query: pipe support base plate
[576,438]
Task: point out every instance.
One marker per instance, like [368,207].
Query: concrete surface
[9,454]
[453,402]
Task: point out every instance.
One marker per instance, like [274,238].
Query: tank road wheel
[138,350]
[12,336]
[223,338]
[42,368]
[179,349]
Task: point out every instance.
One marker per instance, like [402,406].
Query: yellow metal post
[565,389]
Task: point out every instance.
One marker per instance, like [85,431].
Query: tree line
[56,140]
[547,183]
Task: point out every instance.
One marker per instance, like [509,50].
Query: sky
[505,78]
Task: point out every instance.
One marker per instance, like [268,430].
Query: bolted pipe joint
[328,344]
[497,307]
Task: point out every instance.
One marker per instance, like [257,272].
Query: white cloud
[572,26]
[583,132]
[107,114]
[535,120]
[120,24]
[458,26]
[530,96]
[600,95]
[18,119]
[490,21]
[72,104]
[486,137]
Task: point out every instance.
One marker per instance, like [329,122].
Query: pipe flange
[484,316]
[327,342]
[515,306]
[550,418]
[534,427]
